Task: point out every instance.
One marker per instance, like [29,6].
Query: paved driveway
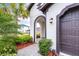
[31,50]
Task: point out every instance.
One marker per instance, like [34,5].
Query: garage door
[69,32]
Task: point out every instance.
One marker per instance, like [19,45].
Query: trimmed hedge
[44,46]
[23,39]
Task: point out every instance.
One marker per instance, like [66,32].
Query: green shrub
[8,28]
[7,47]
[23,38]
[44,46]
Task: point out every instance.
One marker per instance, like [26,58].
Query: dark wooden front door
[69,32]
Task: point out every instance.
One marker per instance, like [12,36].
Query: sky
[25,21]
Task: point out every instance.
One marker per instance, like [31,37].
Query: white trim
[63,54]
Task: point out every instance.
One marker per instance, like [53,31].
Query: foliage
[23,11]
[23,38]
[19,9]
[9,26]
[44,46]
[4,8]
[7,46]
[8,31]
[16,9]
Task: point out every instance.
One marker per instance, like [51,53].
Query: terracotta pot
[52,53]
[49,53]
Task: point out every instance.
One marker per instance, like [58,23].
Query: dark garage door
[69,32]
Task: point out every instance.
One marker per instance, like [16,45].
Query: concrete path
[31,50]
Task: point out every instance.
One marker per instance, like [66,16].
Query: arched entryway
[39,28]
[68,30]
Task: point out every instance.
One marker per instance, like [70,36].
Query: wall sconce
[51,20]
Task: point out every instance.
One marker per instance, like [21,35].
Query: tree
[9,15]
[19,10]
[14,10]
[8,29]
[9,26]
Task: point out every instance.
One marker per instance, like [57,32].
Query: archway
[39,28]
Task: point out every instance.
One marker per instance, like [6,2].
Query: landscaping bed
[23,41]
[23,45]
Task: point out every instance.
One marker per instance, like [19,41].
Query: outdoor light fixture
[51,20]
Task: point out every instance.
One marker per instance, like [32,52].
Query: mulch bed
[23,45]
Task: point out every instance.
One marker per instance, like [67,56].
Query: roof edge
[30,6]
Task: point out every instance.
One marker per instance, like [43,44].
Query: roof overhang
[43,7]
[30,6]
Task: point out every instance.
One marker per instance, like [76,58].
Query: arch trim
[35,23]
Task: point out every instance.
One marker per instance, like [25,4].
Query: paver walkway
[31,50]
